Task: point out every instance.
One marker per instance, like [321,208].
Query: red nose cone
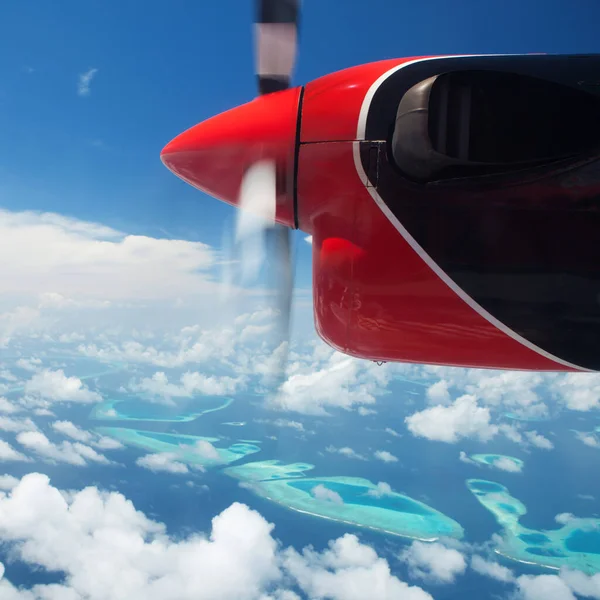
[214,155]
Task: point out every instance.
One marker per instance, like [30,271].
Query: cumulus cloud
[66,452]
[190,383]
[321,492]
[491,569]
[14,425]
[8,482]
[511,432]
[434,562]
[288,423]
[588,438]
[206,450]
[8,407]
[564,518]
[347,570]
[382,489]
[55,386]
[438,393]
[29,364]
[316,387]
[345,451]
[162,461]
[582,584]
[8,453]
[517,391]
[385,456]
[84,82]
[505,464]
[463,457]
[542,587]
[40,252]
[143,561]
[69,429]
[538,440]
[578,391]
[464,418]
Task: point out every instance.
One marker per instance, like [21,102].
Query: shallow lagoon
[181,446]
[575,545]
[140,410]
[363,503]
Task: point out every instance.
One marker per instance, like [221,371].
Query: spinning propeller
[276,41]
[246,157]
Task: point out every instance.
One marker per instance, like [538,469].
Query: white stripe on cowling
[360,135]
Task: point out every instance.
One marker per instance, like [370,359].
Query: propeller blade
[276,43]
[256,214]
[280,254]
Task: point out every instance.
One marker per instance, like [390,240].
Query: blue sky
[162,67]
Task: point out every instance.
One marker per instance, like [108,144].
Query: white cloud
[347,570]
[107,443]
[6,406]
[8,482]
[162,461]
[588,438]
[16,320]
[29,364]
[392,432]
[463,457]
[382,489]
[44,253]
[491,569]
[511,432]
[308,239]
[287,423]
[59,302]
[507,389]
[582,584]
[464,418]
[434,562]
[438,393]
[72,453]
[206,450]
[321,492]
[8,453]
[314,387]
[578,391]
[189,384]
[14,425]
[543,587]
[385,456]
[564,518]
[71,430]
[57,387]
[7,375]
[538,440]
[345,451]
[84,82]
[505,464]
[88,528]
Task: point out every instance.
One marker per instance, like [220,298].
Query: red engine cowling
[377,293]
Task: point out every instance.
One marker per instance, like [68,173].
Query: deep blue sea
[561,480]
